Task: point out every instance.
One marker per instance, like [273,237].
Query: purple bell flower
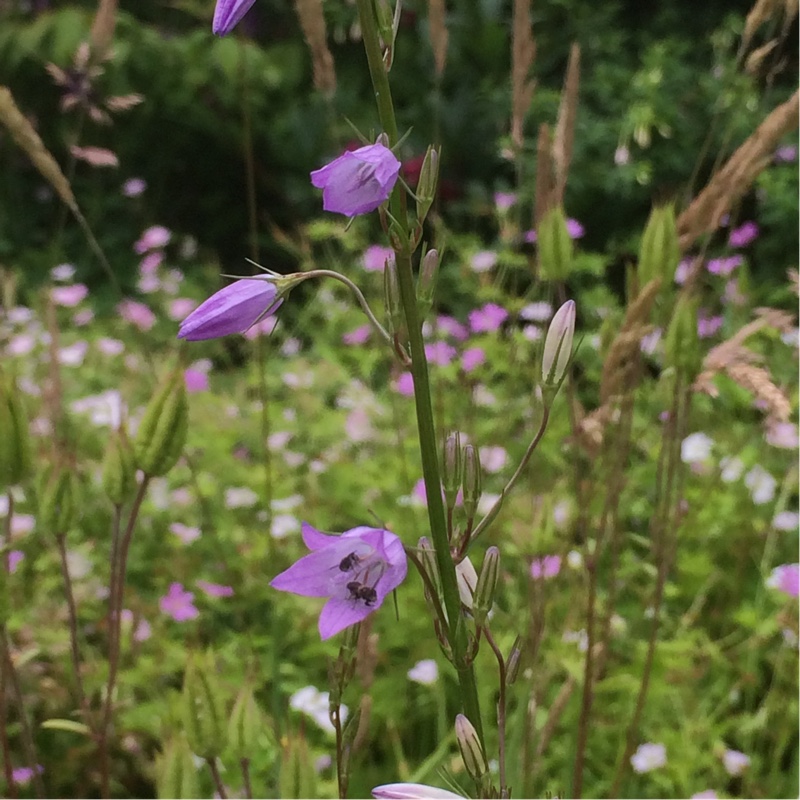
[358,181]
[233,309]
[228,14]
[355,571]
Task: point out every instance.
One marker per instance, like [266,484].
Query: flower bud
[471,484]
[451,469]
[428,559]
[558,344]
[394,305]
[682,343]
[203,713]
[471,750]
[58,500]
[426,284]
[15,440]
[659,253]
[512,664]
[119,469]
[176,774]
[487,584]
[555,246]
[426,186]
[246,725]
[162,431]
[467,582]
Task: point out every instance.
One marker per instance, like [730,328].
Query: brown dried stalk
[759,14]
[312,21]
[565,126]
[544,175]
[624,349]
[102,32]
[523,53]
[437,24]
[742,364]
[736,177]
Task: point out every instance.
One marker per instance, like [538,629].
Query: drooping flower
[355,571]
[412,791]
[228,14]
[358,181]
[233,309]
[649,757]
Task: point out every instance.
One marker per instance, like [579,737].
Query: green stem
[422,397]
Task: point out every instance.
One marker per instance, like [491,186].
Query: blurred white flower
[425,672]
[735,762]
[761,485]
[649,757]
[311,701]
[240,497]
[695,448]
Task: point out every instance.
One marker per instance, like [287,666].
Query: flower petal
[228,13]
[340,613]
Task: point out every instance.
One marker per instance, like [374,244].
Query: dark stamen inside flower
[364,568]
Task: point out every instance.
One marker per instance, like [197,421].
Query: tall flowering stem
[419,370]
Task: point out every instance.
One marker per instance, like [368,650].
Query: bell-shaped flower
[358,181]
[412,791]
[233,309]
[228,14]
[355,571]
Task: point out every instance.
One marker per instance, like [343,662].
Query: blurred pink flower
[786,579]
[452,327]
[178,603]
[214,589]
[196,381]
[782,434]
[185,533]
[133,187]
[263,327]
[95,156]
[708,326]
[63,272]
[153,238]
[546,567]
[147,284]
[493,458]
[735,762]
[649,757]
[405,384]
[472,358]
[24,775]
[682,271]
[483,261]
[440,353]
[357,336]
[14,558]
[743,235]
[69,296]
[487,318]
[82,317]
[151,262]
[724,266]
[181,307]
[138,314]
[504,200]
[574,229]
[110,347]
[375,256]
[787,154]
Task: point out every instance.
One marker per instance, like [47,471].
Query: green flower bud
[660,250]
[162,431]
[384,16]
[426,187]
[512,664]
[58,500]
[471,483]
[119,469]
[246,725]
[471,751]
[15,440]
[555,246]
[451,469]
[394,305]
[202,706]
[682,343]
[176,774]
[487,584]
[428,559]
[426,284]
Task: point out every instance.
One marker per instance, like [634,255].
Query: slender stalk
[244,763]
[28,744]
[8,770]
[501,711]
[218,784]
[422,397]
[115,620]
[341,771]
[73,625]
[668,469]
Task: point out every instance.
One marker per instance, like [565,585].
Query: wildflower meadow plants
[566,513]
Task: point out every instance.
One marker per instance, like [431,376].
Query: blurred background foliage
[662,100]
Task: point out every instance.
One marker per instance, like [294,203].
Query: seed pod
[176,774]
[426,186]
[15,439]
[682,342]
[297,775]
[119,469]
[558,344]
[246,725]
[471,484]
[487,584]
[203,713]
[58,500]
[451,469]
[659,253]
[162,431]
[555,246]
[426,283]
